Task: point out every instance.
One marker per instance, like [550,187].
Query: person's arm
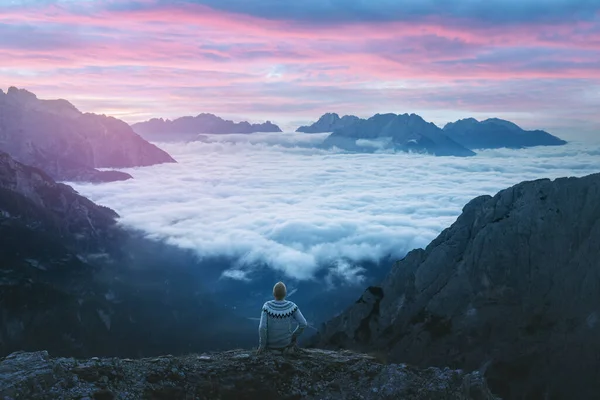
[301,324]
[262,331]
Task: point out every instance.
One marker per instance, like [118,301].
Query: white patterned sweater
[275,328]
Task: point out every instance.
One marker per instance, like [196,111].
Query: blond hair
[279,291]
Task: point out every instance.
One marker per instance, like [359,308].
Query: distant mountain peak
[503,122]
[201,123]
[21,95]
[397,132]
[329,122]
[55,136]
[497,133]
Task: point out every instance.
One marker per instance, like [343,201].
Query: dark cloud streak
[499,12]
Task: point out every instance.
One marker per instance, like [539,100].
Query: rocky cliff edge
[236,374]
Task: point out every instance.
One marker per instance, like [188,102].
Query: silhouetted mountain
[75,283]
[328,123]
[398,132]
[496,133]
[512,287]
[186,127]
[67,144]
[236,374]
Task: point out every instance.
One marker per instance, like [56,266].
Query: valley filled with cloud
[274,201]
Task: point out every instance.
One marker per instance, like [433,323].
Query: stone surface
[406,133]
[328,123]
[512,288]
[67,144]
[307,374]
[496,133]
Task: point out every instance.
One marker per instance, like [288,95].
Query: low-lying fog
[273,205]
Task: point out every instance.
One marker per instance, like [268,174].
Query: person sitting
[275,328]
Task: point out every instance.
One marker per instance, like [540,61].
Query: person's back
[277,316]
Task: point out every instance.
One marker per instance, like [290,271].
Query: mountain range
[407,133]
[67,144]
[412,133]
[510,289]
[70,145]
[329,122]
[188,127]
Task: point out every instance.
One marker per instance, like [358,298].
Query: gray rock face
[407,133]
[188,127]
[496,133]
[67,144]
[308,374]
[329,122]
[35,199]
[511,288]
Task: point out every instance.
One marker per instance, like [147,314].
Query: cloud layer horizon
[271,199]
[292,61]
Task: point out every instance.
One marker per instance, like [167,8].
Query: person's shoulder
[292,305]
[265,306]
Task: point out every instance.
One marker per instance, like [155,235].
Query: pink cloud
[153,53]
[246,28]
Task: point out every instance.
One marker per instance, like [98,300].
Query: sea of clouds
[277,200]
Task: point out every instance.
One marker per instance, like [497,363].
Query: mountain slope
[69,145]
[496,133]
[329,122]
[512,287]
[398,132]
[75,283]
[31,198]
[188,127]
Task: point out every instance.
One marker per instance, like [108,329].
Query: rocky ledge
[236,374]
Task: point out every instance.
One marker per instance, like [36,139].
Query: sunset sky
[536,62]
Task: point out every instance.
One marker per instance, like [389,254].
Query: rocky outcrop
[30,196]
[73,282]
[67,144]
[497,133]
[187,127]
[407,133]
[238,374]
[511,288]
[329,122]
